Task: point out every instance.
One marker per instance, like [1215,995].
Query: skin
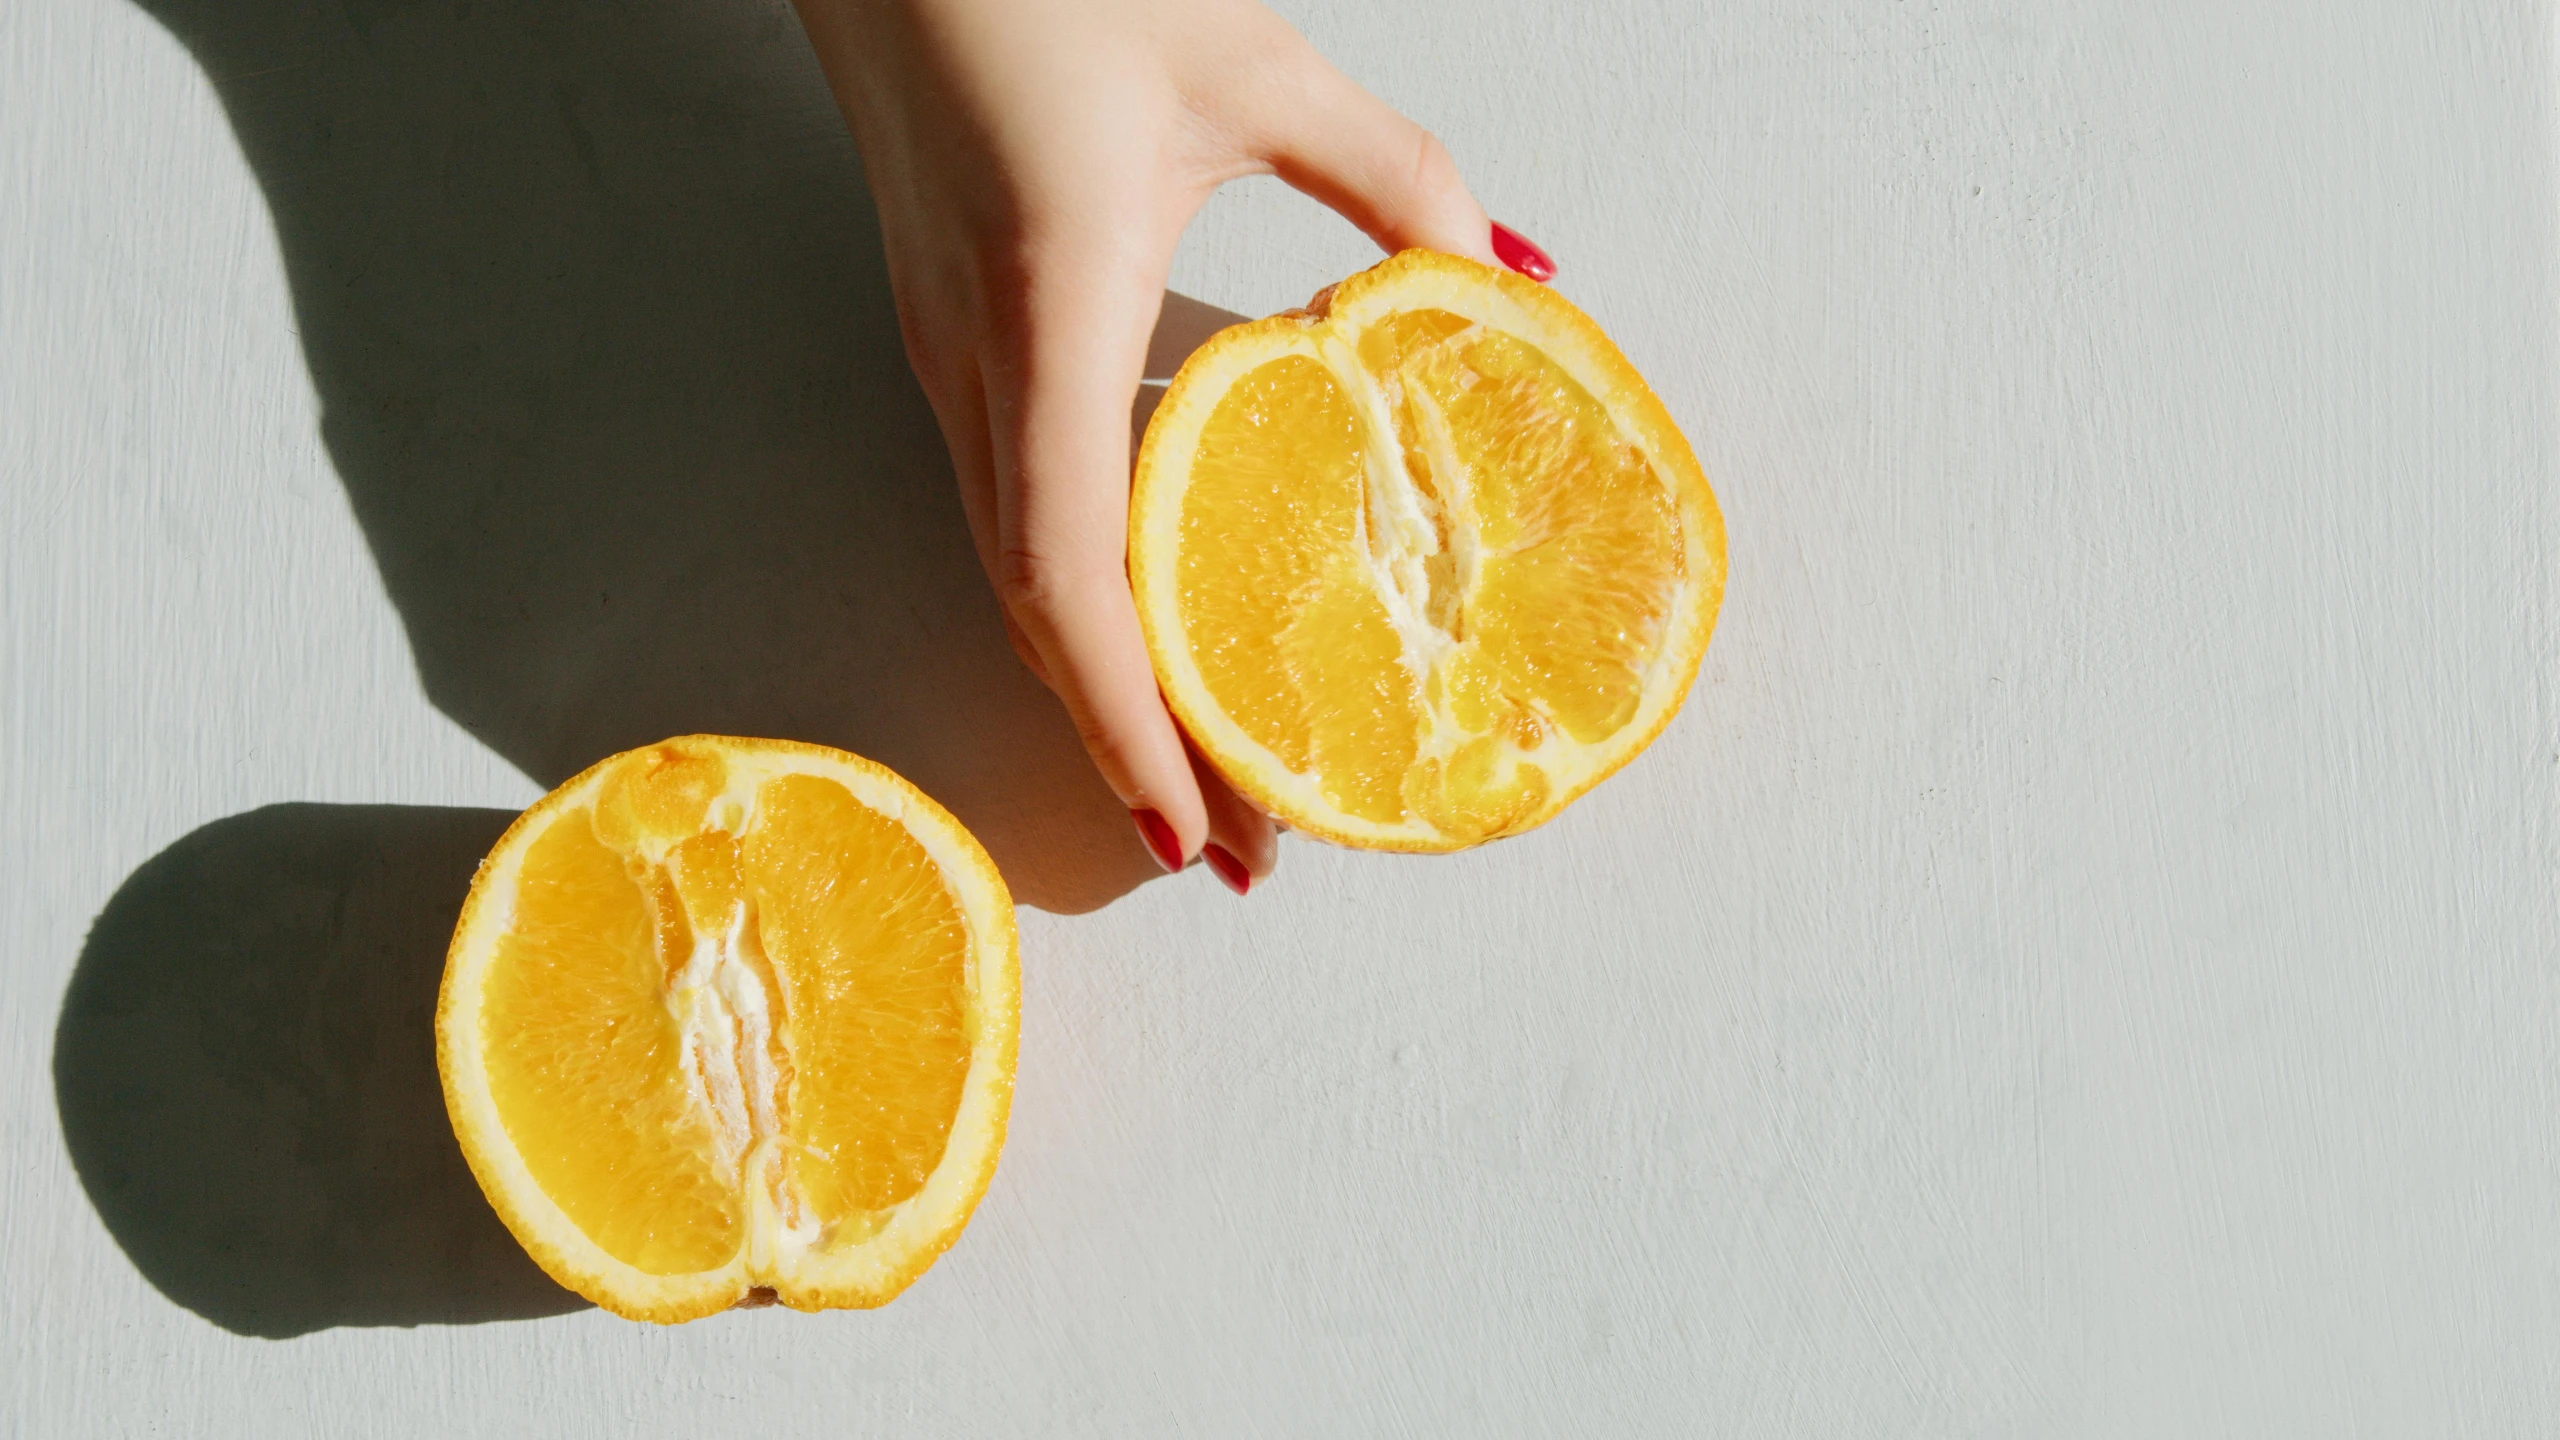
[1034,163]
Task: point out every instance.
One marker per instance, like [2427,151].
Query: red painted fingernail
[1159,837]
[1229,868]
[1513,249]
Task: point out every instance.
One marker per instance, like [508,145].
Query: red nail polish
[1229,868]
[1159,837]
[1513,249]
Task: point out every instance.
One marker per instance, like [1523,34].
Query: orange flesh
[1532,552]
[702,1007]
[587,1063]
[871,952]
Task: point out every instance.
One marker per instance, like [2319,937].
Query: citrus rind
[1500,301]
[865,1273]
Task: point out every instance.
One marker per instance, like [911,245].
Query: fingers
[1059,379]
[1325,135]
[1025,407]
[959,403]
[1250,841]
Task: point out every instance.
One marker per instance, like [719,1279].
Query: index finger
[1059,384]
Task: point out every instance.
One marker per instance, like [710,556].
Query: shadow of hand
[593,299]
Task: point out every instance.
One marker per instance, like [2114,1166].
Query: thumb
[1325,135]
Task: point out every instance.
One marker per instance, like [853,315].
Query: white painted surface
[2082,965]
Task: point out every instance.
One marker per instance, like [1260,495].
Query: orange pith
[1423,564]
[732,1015]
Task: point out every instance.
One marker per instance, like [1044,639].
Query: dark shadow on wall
[592,294]
[246,1072]
[592,297]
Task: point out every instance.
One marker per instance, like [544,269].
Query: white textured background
[2083,964]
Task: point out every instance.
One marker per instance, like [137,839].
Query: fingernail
[1229,868]
[1513,249]
[1159,837]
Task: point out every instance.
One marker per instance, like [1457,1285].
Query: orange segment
[1268,532]
[871,952]
[585,1063]
[728,1015]
[1581,543]
[1420,565]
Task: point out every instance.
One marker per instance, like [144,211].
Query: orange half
[731,1020]
[1422,563]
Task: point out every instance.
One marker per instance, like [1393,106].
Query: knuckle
[1098,741]
[1435,170]
[1007,271]
[1034,581]
[936,333]
[917,337]
[1024,651]
[1025,579]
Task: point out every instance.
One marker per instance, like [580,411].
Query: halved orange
[732,1020]
[1421,563]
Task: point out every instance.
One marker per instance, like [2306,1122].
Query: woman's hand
[1034,163]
